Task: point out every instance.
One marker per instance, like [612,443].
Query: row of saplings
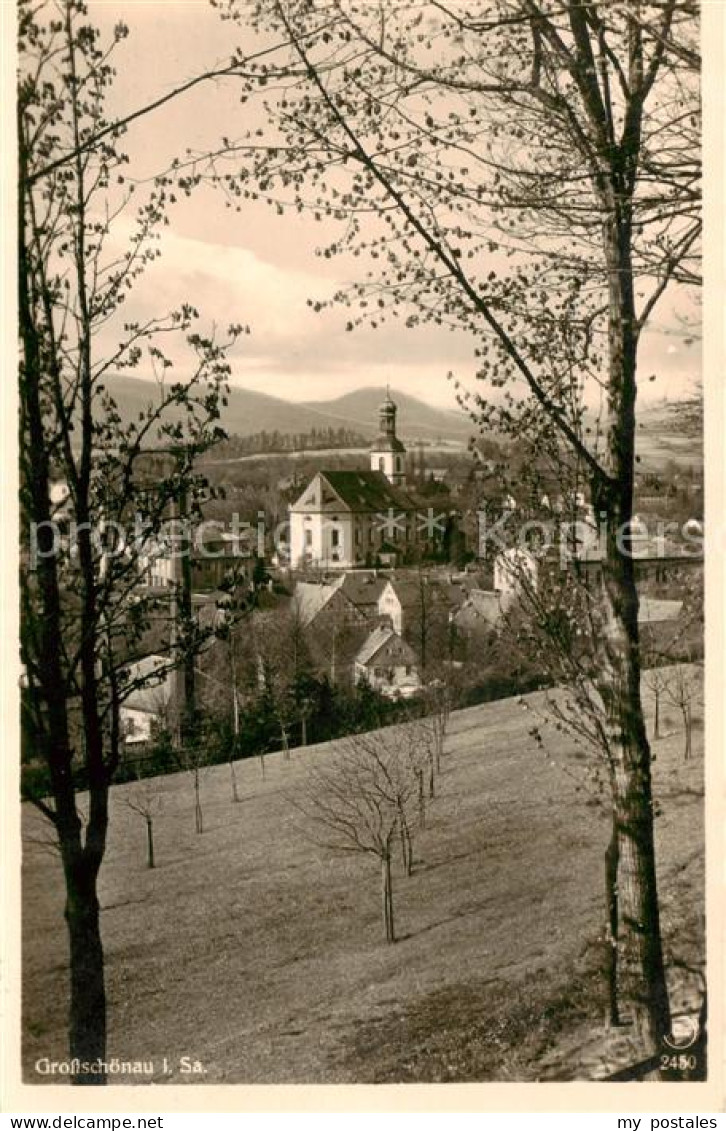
[370,793]
[367,795]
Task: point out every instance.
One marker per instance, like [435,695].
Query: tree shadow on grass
[463,913]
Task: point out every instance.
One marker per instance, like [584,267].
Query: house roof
[367,491]
[455,593]
[481,605]
[408,590]
[157,688]
[311,598]
[376,641]
[362,588]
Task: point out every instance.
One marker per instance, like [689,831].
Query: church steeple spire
[387,452]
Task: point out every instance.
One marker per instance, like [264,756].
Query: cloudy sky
[260,269]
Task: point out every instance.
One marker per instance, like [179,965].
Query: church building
[345,519]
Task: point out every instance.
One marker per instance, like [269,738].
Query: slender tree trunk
[186,615]
[406,843]
[642,990]
[150,841]
[421,799]
[87,1013]
[87,1028]
[198,817]
[387,897]
[285,743]
[656,720]
[233,775]
[611,889]
[402,836]
[687,722]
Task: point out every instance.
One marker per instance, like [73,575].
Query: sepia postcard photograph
[359,684]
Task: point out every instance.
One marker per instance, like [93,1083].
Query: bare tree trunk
[87,1027]
[387,897]
[406,843]
[150,840]
[285,743]
[402,835]
[656,720]
[198,817]
[688,723]
[642,990]
[262,763]
[233,775]
[87,1015]
[611,890]
[421,799]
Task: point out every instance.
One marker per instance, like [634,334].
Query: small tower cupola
[387,452]
[387,415]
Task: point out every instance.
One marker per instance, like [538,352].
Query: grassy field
[261,956]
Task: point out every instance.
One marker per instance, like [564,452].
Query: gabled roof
[409,590]
[378,640]
[157,688]
[367,491]
[362,588]
[311,599]
[455,593]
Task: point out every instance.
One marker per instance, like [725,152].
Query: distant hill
[416,418]
[250,412]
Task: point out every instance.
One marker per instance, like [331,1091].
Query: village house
[318,603]
[478,614]
[149,706]
[387,663]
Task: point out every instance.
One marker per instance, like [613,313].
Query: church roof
[384,443]
[367,491]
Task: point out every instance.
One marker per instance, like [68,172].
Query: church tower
[387,452]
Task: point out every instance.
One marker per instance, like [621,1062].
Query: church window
[308,537]
[335,537]
[381,464]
